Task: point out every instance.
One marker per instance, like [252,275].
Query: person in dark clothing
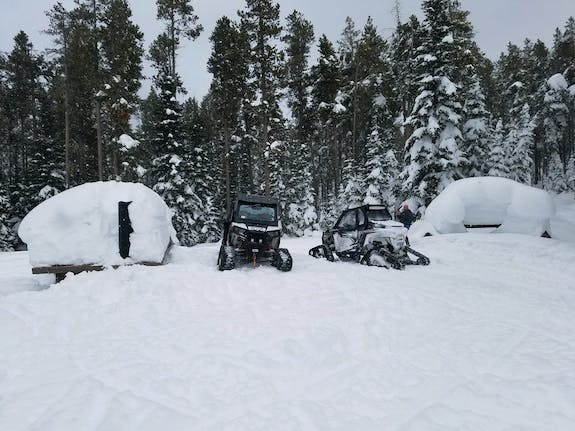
[405,216]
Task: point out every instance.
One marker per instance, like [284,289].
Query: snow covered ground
[482,339]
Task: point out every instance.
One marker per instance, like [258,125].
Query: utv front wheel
[226,258]
[373,258]
[283,260]
[322,251]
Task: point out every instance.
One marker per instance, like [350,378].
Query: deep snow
[481,339]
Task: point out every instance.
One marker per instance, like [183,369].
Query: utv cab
[252,233]
[369,235]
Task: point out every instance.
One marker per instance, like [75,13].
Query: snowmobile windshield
[256,213]
[378,214]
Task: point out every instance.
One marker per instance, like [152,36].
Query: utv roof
[257,199]
[369,207]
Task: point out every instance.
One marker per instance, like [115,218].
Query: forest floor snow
[481,339]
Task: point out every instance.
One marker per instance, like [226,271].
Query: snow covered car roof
[80,226]
[512,206]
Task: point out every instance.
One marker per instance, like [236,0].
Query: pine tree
[559,112]
[298,38]
[149,112]
[498,161]
[59,29]
[348,91]
[22,88]
[556,120]
[405,45]
[563,53]
[204,167]
[476,130]
[298,182]
[172,166]
[328,212]
[373,88]
[75,33]
[180,22]
[382,167]
[229,68]
[29,125]
[121,71]
[537,65]
[48,166]
[260,22]
[556,178]
[434,156]
[7,236]
[352,190]
[325,77]
[211,231]
[519,142]
[132,155]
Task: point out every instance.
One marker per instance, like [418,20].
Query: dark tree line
[373,119]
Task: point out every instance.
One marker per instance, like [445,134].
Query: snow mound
[80,226]
[515,207]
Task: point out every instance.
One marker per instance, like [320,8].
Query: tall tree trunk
[355,108]
[97,103]
[68,163]
[227,165]
[99,139]
[264,132]
[173,44]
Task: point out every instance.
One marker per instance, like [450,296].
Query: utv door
[345,235]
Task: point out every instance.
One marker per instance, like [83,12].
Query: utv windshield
[378,214]
[256,213]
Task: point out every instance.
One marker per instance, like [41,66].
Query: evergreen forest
[372,119]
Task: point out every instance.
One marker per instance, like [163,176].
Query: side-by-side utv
[369,235]
[252,234]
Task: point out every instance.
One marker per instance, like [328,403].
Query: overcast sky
[496,23]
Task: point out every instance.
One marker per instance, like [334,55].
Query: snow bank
[80,226]
[517,208]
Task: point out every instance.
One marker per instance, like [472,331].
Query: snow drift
[80,226]
[514,207]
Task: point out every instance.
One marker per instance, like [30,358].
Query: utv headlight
[273,233]
[240,232]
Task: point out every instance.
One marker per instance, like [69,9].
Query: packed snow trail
[482,339]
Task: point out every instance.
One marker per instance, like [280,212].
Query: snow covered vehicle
[369,235]
[252,233]
[501,204]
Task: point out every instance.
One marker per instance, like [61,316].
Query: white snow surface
[481,339]
[80,226]
[518,208]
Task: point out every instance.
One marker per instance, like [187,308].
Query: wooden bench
[61,270]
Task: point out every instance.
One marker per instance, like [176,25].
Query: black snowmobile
[369,235]
[252,234]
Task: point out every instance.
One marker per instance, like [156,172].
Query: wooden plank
[482,226]
[76,269]
[63,269]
